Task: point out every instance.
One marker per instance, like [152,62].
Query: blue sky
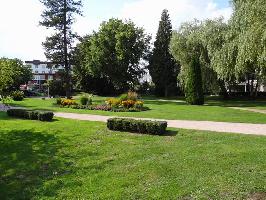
[21,37]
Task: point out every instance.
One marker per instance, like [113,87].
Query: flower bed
[128,102]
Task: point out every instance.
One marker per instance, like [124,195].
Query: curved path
[250,109]
[226,127]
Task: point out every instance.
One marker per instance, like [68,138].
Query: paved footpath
[226,127]
[250,109]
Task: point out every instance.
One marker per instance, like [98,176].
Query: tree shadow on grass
[170,133]
[28,159]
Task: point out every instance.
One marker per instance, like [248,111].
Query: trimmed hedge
[31,114]
[137,126]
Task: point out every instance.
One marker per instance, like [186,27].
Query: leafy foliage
[114,54]
[138,126]
[12,74]
[31,114]
[17,95]
[162,66]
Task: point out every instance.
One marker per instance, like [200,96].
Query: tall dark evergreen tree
[193,86]
[59,15]
[162,66]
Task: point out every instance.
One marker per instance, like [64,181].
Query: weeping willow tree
[243,54]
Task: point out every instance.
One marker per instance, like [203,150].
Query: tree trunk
[66,63]
[166,92]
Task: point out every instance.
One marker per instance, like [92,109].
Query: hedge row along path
[225,127]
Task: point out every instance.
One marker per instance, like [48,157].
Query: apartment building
[43,71]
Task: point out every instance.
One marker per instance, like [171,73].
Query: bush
[86,99]
[31,114]
[17,95]
[194,88]
[58,101]
[138,126]
[45,116]
[123,97]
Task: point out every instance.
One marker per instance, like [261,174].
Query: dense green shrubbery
[138,126]
[86,99]
[193,87]
[17,95]
[31,114]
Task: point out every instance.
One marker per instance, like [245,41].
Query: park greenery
[13,73]
[128,102]
[70,159]
[162,66]
[109,61]
[59,15]
[201,57]
[44,156]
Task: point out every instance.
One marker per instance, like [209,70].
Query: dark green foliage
[45,116]
[193,88]
[17,95]
[113,54]
[162,66]
[31,114]
[56,88]
[123,97]
[84,100]
[138,126]
[58,101]
[59,15]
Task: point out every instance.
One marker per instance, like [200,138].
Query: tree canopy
[115,53]
[59,15]
[13,74]
[162,66]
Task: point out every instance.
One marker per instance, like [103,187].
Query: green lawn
[214,110]
[67,159]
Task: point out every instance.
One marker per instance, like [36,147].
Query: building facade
[44,71]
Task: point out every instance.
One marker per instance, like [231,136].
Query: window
[36,72]
[43,66]
[43,72]
[36,66]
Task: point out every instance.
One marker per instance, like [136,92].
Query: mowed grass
[67,159]
[214,110]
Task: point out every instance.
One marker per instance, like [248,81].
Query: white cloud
[20,35]
[147,13]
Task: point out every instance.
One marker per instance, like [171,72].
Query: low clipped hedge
[31,114]
[137,126]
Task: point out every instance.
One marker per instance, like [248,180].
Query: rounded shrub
[84,100]
[17,95]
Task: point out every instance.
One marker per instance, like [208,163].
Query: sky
[21,36]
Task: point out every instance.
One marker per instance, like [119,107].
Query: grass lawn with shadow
[69,159]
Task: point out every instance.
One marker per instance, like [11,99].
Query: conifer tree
[162,66]
[59,15]
[193,86]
